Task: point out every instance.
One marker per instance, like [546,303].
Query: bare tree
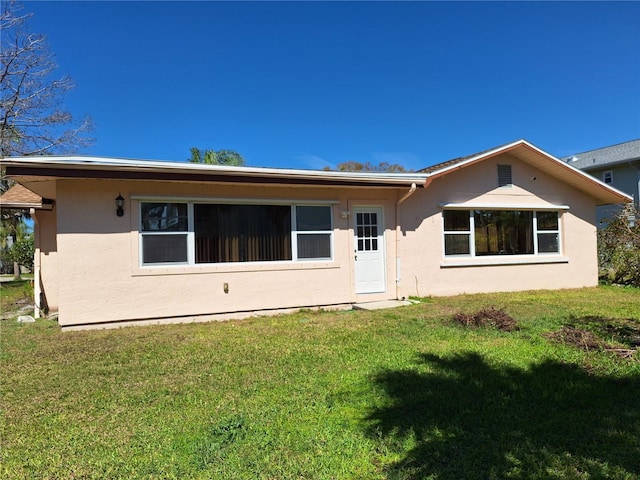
[33,120]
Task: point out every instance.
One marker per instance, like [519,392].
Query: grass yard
[400,394]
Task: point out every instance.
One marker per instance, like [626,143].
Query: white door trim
[369,249]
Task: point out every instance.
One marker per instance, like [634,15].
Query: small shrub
[619,248]
[487,317]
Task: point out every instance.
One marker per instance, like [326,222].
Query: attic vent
[504,175]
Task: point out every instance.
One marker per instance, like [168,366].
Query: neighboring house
[21,199]
[617,166]
[135,242]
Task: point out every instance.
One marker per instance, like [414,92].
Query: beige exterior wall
[93,270]
[47,254]
[424,269]
[100,279]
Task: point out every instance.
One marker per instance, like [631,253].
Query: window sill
[500,260]
[231,268]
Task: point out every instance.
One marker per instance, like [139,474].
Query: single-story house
[136,242]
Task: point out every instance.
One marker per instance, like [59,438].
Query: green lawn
[403,394]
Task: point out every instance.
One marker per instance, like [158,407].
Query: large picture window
[242,233]
[500,232]
[214,233]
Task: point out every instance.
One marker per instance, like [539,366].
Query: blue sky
[309,84]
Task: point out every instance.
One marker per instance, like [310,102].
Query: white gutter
[411,191]
[124,165]
[37,287]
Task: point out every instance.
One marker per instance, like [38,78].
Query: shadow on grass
[468,419]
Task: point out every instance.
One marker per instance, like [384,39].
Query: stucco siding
[47,254]
[102,280]
[426,271]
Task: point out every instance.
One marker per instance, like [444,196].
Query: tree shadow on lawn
[468,419]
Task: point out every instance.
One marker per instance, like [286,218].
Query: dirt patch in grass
[621,336]
[578,337]
[487,317]
[15,298]
[625,331]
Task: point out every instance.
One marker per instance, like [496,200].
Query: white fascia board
[593,179]
[552,158]
[118,164]
[575,169]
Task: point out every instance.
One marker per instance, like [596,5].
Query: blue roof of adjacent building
[602,157]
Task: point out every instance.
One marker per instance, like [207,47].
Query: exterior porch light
[119,205]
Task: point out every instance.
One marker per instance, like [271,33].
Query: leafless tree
[33,120]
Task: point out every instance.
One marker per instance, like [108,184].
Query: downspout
[411,191]
[37,287]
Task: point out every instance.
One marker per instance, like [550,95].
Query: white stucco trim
[503,260]
[231,200]
[502,206]
[231,267]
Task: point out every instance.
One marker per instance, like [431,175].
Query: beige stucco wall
[424,269]
[48,257]
[100,279]
[93,271]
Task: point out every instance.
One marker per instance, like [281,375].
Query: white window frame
[295,232]
[190,233]
[607,174]
[468,233]
[536,232]
[503,258]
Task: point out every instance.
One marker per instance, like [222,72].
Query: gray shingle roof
[601,157]
[455,161]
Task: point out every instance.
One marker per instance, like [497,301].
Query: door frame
[382,238]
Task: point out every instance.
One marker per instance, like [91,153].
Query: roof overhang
[528,153]
[635,162]
[20,198]
[42,168]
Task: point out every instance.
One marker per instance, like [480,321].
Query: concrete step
[382,304]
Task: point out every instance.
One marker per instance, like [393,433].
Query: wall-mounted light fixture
[119,205]
[345,213]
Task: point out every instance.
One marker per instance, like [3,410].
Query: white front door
[369,250]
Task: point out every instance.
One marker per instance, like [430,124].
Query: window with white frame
[607,177]
[214,233]
[164,232]
[313,231]
[457,232]
[479,233]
